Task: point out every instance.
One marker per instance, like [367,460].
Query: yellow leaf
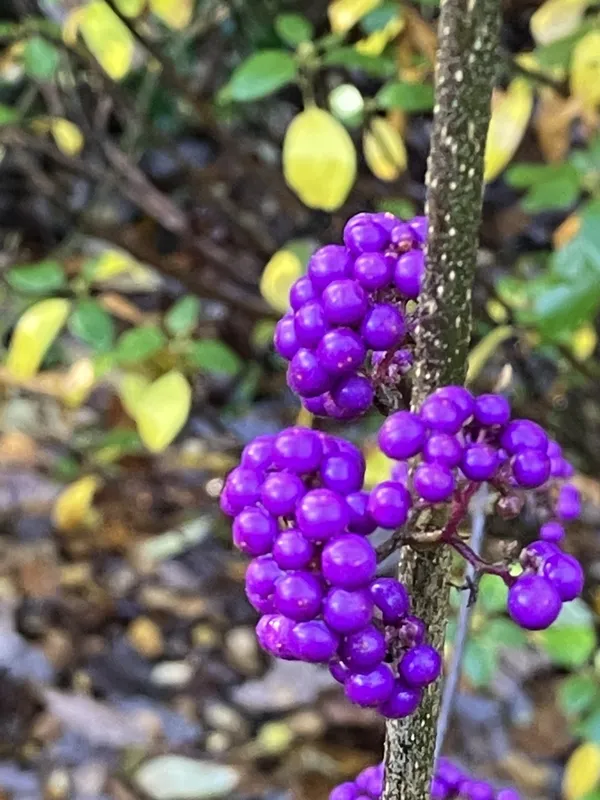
[176,14]
[107,39]
[496,311]
[582,772]
[585,70]
[384,150]
[583,342]
[111,263]
[130,8]
[73,505]
[35,331]
[376,42]
[71,26]
[485,349]
[281,271]
[78,383]
[163,410]
[378,466]
[556,19]
[510,116]
[131,389]
[319,159]
[67,136]
[344,14]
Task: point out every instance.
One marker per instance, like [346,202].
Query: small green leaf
[93,325]
[348,57]
[492,594]
[44,277]
[40,59]
[522,176]
[139,344]
[411,97]
[479,662]
[577,692]
[293,29]
[554,194]
[504,633]
[569,645]
[8,115]
[260,75]
[212,355]
[182,317]
[377,19]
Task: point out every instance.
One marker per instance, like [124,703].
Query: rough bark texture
[467,55]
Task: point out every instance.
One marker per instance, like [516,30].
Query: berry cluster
[348,313]
[448,782]
[300,511]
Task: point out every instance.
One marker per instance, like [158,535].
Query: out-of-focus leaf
[501,632]
[411,97]
[350,58]
[35,331]
[585,70]
[74,503]
[555,19]
[293,29]
[577,693]
[42,278]
[583,342]
[568,229]
[553,122]
[78,383]
[479,663]
[107,39]
[93,325]
[139,344]
[183,316]
[211,355]
[510,115]
[378,467]
[130,8]
[569,645]
[384,150]
[319,159]
[344,14]
[163,410]
[131,389]
[260,75]
[492,594]
[282,269]
[376,42]
[485,349]
[40,58]
[67,136]
[8,115]
[176,15]
[558,54]
[377,19]
[582,772]
[589,727]
[558,191]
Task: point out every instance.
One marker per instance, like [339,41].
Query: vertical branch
[467,55]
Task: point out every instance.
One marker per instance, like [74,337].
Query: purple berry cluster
[348,313]
[448,782]
[300,512]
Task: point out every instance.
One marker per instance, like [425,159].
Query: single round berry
[420,226]
[480,462]
[568,503]
[321,514]
[348,561]
[364,649]
[476,790]
[262,574]
[353,395]
[371,688]
[552,532]
[391,598]
[386,220]
[402,435]
[389,504]
[449,773]
[461,397]
[566,575]
[298,450]
[347,611]
[533,602]
[420,665]
[280,492]
[254,531]
[383,327]
[361,520]
[313,641]
[491,409]
[441,414]
[372,271]
[345,791]
[344,446]
[559,467]
[302,291]
[523,434]
[258,454]
[531,468]
[363,235]
[243,487]
[292,551]
[298,596]
[310,324]
[342,473]
[306,376]
[443,448]
[409,272]
[344,302]
[433,482]
[338,670]
[402,702]
[340,351]
[536,553]
[370,781]
[274,633]
[327,264]
[285,338]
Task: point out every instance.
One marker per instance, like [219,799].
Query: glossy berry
[306,375]
[329,263]
[402,702]
[391,598]
[298,450]
[383,327]
[243,487]
[389,504]
[321,514]
[566,575]
[340,351]
[568,504]
[262,574]
[480,462]
[420,666]
[353,395]
[348,561]
[361,520]
[433,482]
[441,414]
[342,473]
[370,781]
[313,641]
[280,492]
[420,226]
[258,453]
[443,448]
[364,649]
[338,670]
[363,235]
[491,409]
[285,338]
[346,611]
[254,532]
[291,550]
[461,397]
[372,270]
[409,272]
[533,602]
[345,791]
[552,532]
[310,324]
[402,435]
[302,291]
[531,468]
[371,688]
[522,434]
[344,302]
[298,596]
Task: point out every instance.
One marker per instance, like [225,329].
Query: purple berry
[361,520]
[285,338]
[491,409]
[476,790]
[372,271]
[480,462]
[341,351]
[344,302]
[254,531]
[441,414]
[274,633]
[310,324]
[409,272]
[262,603]
[345,791]
[342,473]
[347,611]
[348,561]
[321,514]
[523,434]
[329,263]
[443,448]
[262,574]
[339,671]
[372,688]
[364,649]
[411,631]
[313,641]
[391,598]
[402,435]
[566,575]
[420,227]
[568,504]
[243,487]
[353,395]
[389,504]
[298,596]
[533,602]
[461,397]
[306,376]
[302,291]
[403,237]
[531,468]
[280,492]
[297,450]
[433,482]
[438,790]
[386,220]
[420,666]
[449,773]
[370,781]
[225,505]
[402,702]
[292,551]
[363,235]
[383,327]
[316,405]
[552,532]
[258,454]
[537,552]
[508,794]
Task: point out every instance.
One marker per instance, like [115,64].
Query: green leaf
[492,594]
[377,19]
[589,728]
[8,115]
[412,97]
[260,75]
[139,344]
[40,59]
[348,57]
[182,317]
[595,795]
[93,325]
[293,29]
[42,278]
[212,355]
[479,662]
[569,645]
[558,54]
[503,632]
[522,176]
[577,692]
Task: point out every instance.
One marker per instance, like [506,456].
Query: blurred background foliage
[166,169]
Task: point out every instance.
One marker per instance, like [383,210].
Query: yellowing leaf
[71,26]
[556,19]
[35,331]
[73,505]
[583,342]
[111,263]
[107,39]
[78,383]
[67,136]
[384,150]
[344,14]
[176,14]
[376,42]
[162,410]
[582,772]
[485,349]
[131,389]
[510,115]
[319,159]
[130,8]
[585,70]
[281,271]
[378,466]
